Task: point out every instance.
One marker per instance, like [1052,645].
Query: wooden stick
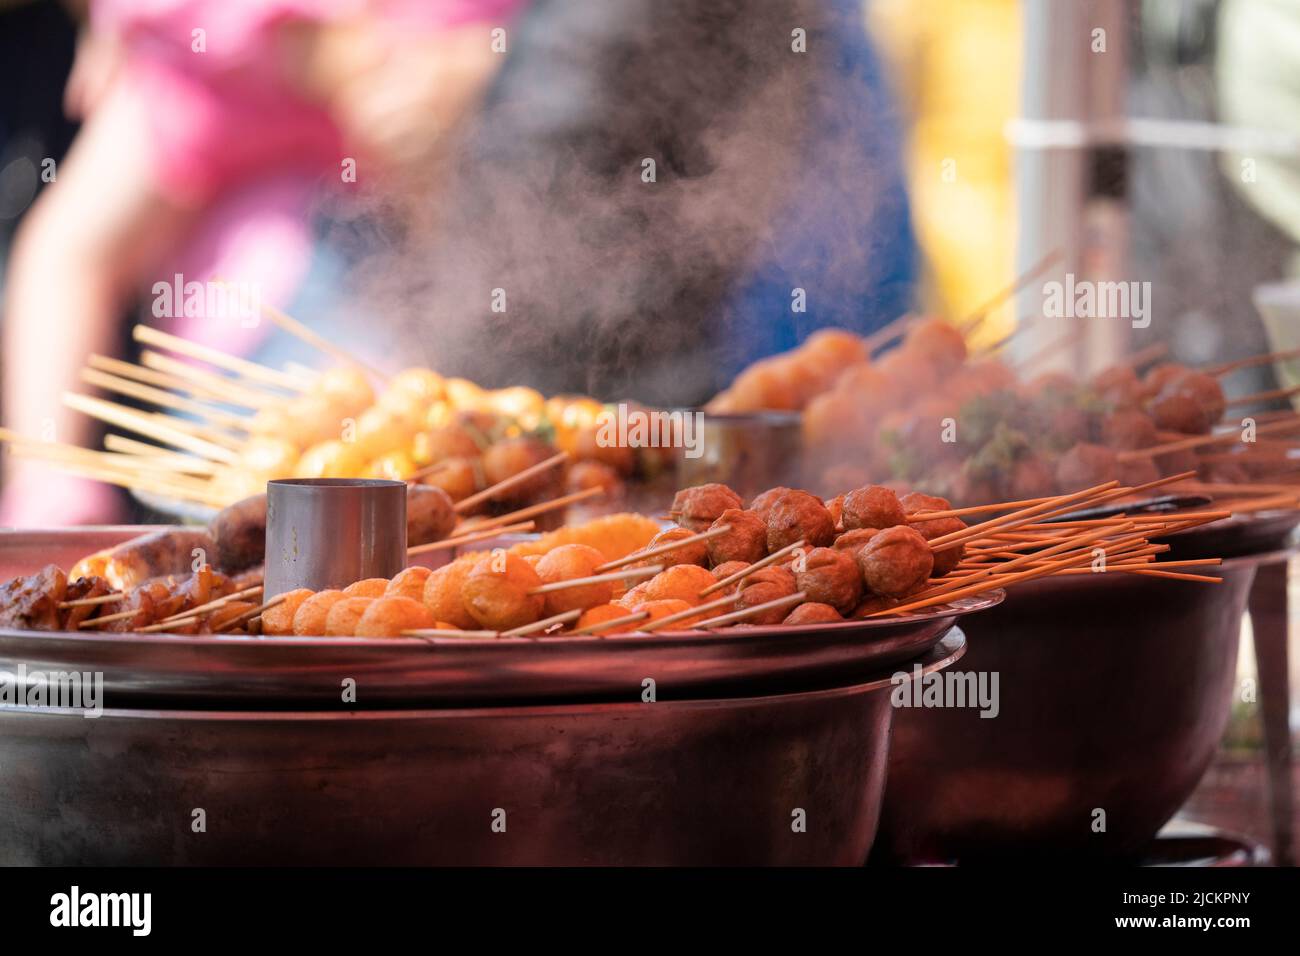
[676,616]
[162,399]
[1269,396]
[889,331]
[1020,515]
[1251,362]
[227,390]
[1198,441]
[613,622]
[107,618]
[597,579]
[758,565]
[92,601]
[1151,353]
[194,613]
[532,511]
[231,363]
[543,624]
[668,546]
[134,481]
[162,457]
[142,424]
[250,614]
[487,494]
[797,598]
[444,632]
[469,538]
[158,379]
[972,321]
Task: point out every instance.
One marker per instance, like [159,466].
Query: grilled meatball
[896,562]
[1084,466]
[1128,429]
[1118,386]
[508,458]
[811,612]
[430,515]
[764,502]
[851,541]
[872,507]
[798,515]
[830,577]
[1138,471]
[949,558]
[836,507]
[1031,477]
[458,477]
[746,541]
[1190,403]
[442,593]
[762,587]
[696,552]
[697,508]
[874,605]
[593,474]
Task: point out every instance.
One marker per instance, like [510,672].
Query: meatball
[1128,429]
[872,507]
[566,563]
[941,343]
[762,587]
[811,612]
[929,529]
[874,605]
[663,607]
[408,583]
[763,503]
[429,514]
[798,515]
[697,508]
[442,593]
[458,477]
[696,552]
[496,595]
[728,568]
[309,619]
[278,621]
[1118,386]
[1084,466]
[851,541]
[682,582]
[836,507]
[1190,403]
[1138,471]
[390,616]
[830,577]
[600,613]
[593,474]
[896,562]
[746,541]
[508,458]
[345,615]
[369,587]
[1031,477]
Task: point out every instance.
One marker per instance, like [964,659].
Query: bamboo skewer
[230,363]
[143,424]
[248,616]
[228,390]
[532,511]
[445,632]
[676,616]
[150,456]
[668,546]
[797,598]
[1198,441]
[888,332]
[1021,515]
[92,601]
[758,565]
[1250,362]
[194,613]
[164,380]
[89,623]
[487,494]
[456,542]
[973,320]
[1271,395]
[613,622]
[162,399]
[526,629]
[596,579]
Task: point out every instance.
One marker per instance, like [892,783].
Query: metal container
[708,781]
[749,452]
[329,532]
[1114,693]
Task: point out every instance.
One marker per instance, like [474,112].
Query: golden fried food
[442,592]
[566,563]
[872,507]
[591,443]
[600,613]
[830,577]
[698,507]
[508,458]
[309,619]
[408,583]
[765,501]
[682,582]
[728,568]
[949,558]
[345,615]
[746,541]
[453,441]
[430,514]
[664,607]
[851,541]
[390,616]
[812,612]
[761,587]
[593,474]
[331,459]
[615,536]
[496,595]
[214,620]
[799,515]
[458,477]
[896,562]
[369,587]
[278,621]
[694,552]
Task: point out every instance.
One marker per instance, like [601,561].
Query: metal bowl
[750,452]
[1114,695]
[706,781]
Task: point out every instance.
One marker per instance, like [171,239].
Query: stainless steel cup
[329,532]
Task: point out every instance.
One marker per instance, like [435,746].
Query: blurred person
[208,128]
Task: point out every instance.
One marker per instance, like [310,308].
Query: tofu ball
[812,612]
[896,562]
[565,563]
[408,583]
[345,615]
[390,616]
[309,620]
[368,587]
[682,582]
[798,515]
[600,613]
[508,458]
[633,596]
[442,593]
[872,507]
[746,541]
[496,593]
[830,577]
[278,621]
[697,508]
[1084,466]
[430,514]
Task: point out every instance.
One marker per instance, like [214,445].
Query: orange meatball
[798,515]
[664,607]
[278,621]
[309,620]
[458,477]
[746,541]
[895,562]
[369,587]
[697,552]
[496,592]
[565,563]
[811,612]
[872,507]
[698,507]
[409,583]
[390,616]
[939,342]
[682,582]
[442,593]
[508,458]
[345,615]
[600,613]
[829,577]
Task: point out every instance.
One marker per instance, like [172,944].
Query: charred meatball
[746,541]
[830,577]
[872,507]
[896,562]
[798,515]
[697,508]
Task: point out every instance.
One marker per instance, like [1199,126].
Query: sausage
[239,535]
[152,555]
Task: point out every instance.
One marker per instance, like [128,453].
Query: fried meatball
[799,515]
[728,568]
[496,593]
[1190,403]
[1031,477]
[811,612]
[633,596]
[453,441]
[566,563]
[345,615]
[458,477]
[593,474]
[698,507]
[1084,466]
[430,515]
[836,507]
[664,607]
[508,458]
[939,342]
[762,587]
[442,593]
[683,582]
[746,541]
[408,583]
[851,541]
[309,619]
[830,577]
[1128,429]
[872,507]
[591,442]
[600,613]
[896,562]
[763,503]
[874,605]
[368,587]
[697,552]
[390,616]
[278,621]
[1118,386]
[949,558]
[1138,471]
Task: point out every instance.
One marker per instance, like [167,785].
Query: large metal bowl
[1114,693]
[712,781]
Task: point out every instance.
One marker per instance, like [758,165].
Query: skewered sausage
[151,555]
[239,535]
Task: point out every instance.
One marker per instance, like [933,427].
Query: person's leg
[87,244]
